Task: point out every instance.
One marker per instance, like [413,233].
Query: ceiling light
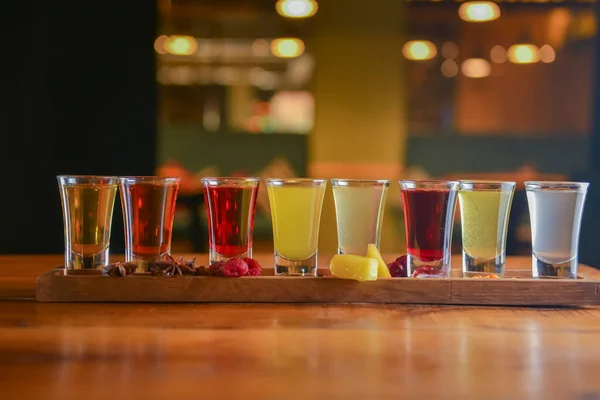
[479,11]
[296,8]
[419,50]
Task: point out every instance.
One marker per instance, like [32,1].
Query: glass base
[543,270]
[75,261]
[473,266]
[146,264]
[214,257]
[286,267]
[427,269]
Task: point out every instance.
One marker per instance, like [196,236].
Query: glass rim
[168,180]
[359,182]
[223,180]
[472,185]
[88,176]
[428,184]
[98,179]
[295,181]
[556,185]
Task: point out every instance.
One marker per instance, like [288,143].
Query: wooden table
[166,351]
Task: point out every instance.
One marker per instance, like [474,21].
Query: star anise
[120,269]
[173,267]
[158,268]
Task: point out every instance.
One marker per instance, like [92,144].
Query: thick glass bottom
[286,267]
[86,261]
[473,266]
[214,257]
[146,264]
[427,269]
[563,270]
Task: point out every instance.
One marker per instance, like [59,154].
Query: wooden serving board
[517,288]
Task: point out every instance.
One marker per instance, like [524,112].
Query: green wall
[197,149]
[458,153]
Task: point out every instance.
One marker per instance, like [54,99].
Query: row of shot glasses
[295,204]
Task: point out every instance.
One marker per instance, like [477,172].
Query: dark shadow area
[80,98]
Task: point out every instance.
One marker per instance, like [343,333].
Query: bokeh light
[476,68]
[287,47]
[498,54]
[160,44]
[479,11]
[450,50]
[181,45]
[523,54]
[547,54]
[297,8]
[419,50]
[449,68]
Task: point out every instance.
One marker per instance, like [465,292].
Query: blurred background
[321,88]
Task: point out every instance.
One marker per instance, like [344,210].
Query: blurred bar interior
[323,88]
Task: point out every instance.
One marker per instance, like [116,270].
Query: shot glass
[230,206]
[429,208]
[555,210]
[296,206]
[359,207]
[87,207]
[148,210]
[484,210]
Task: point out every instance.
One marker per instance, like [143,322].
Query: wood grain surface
[286,351]
[54,286]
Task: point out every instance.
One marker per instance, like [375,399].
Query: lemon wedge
[347,266]
[382,269]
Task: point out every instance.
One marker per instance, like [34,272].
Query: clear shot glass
[359,208]
[429,208]
[230,208]
[87,207]
[148,211]
[484,212]
[555,210]
[296,206]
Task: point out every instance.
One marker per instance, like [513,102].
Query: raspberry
[427,271]
[398,267]
[216,269]
[254,268]
[492,276]
[235,267]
